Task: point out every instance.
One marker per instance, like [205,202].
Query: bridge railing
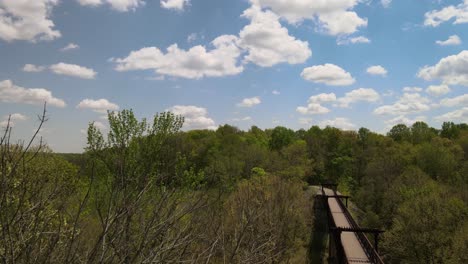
[370,250]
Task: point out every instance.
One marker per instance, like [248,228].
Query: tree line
[147,191]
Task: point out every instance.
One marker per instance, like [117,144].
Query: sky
[293,63]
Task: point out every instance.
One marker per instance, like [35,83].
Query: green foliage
[400,133]
[148,192]
[256,171]
[450,130]
[281,137]
[423,226]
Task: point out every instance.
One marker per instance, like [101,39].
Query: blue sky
[296,63]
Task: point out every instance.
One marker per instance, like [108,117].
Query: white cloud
[305,121]
[333,16]
[194,117]
[98,106]
[377,70]
[247,118]
[90,2]
[436,17]
[361,94]
[27,20]
[386,3]
[99,125]
[457,116]
[451,41]
[275,92]
[118,5]
[403,120]
[412,89]
[10,93]
[73,70]
[17,117]
[407,104]
[313,104]
[312,109]
[339,122]
[192,37]
[174,4]
[13,118]
[323,97]
[33,68]
[329,74]
[70,46]
[459,100]
[451,70]
[438,90]
[345,40]
[194,63]
[268,43]
[249,102]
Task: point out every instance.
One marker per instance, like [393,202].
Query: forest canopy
[149,192]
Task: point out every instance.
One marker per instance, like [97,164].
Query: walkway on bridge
[348,244]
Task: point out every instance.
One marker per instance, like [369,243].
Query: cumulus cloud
[436,17]
[194,117]
[99,125]
[33,68]
[249,102]
[386,3]
[305,121]
[438,90]
[10,93]
[174,4]
[27,20]
[407,104]
[246,118]
[275,92]
[323,97]
[118,5]
[451,70]
[458,116]
[345,40]
[329,74]
[377,70]
[334,17]
[455,101]
[10,120]
[268,43]
[403,120]
[361,94]
[195,63]
[70,46]
[73,70]
[412,89]
[314,106]
[339,122]
[98,106]
[312,109]
[451,41]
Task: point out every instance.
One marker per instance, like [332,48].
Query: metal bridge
[347,241]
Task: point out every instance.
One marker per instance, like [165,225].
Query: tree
[37,194]
[281,137]
[450,130]
[421,132]
[400,133]
[140,198]
[424,226]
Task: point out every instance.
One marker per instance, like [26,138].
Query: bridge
[347,241]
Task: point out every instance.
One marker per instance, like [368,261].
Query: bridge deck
[352,248]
